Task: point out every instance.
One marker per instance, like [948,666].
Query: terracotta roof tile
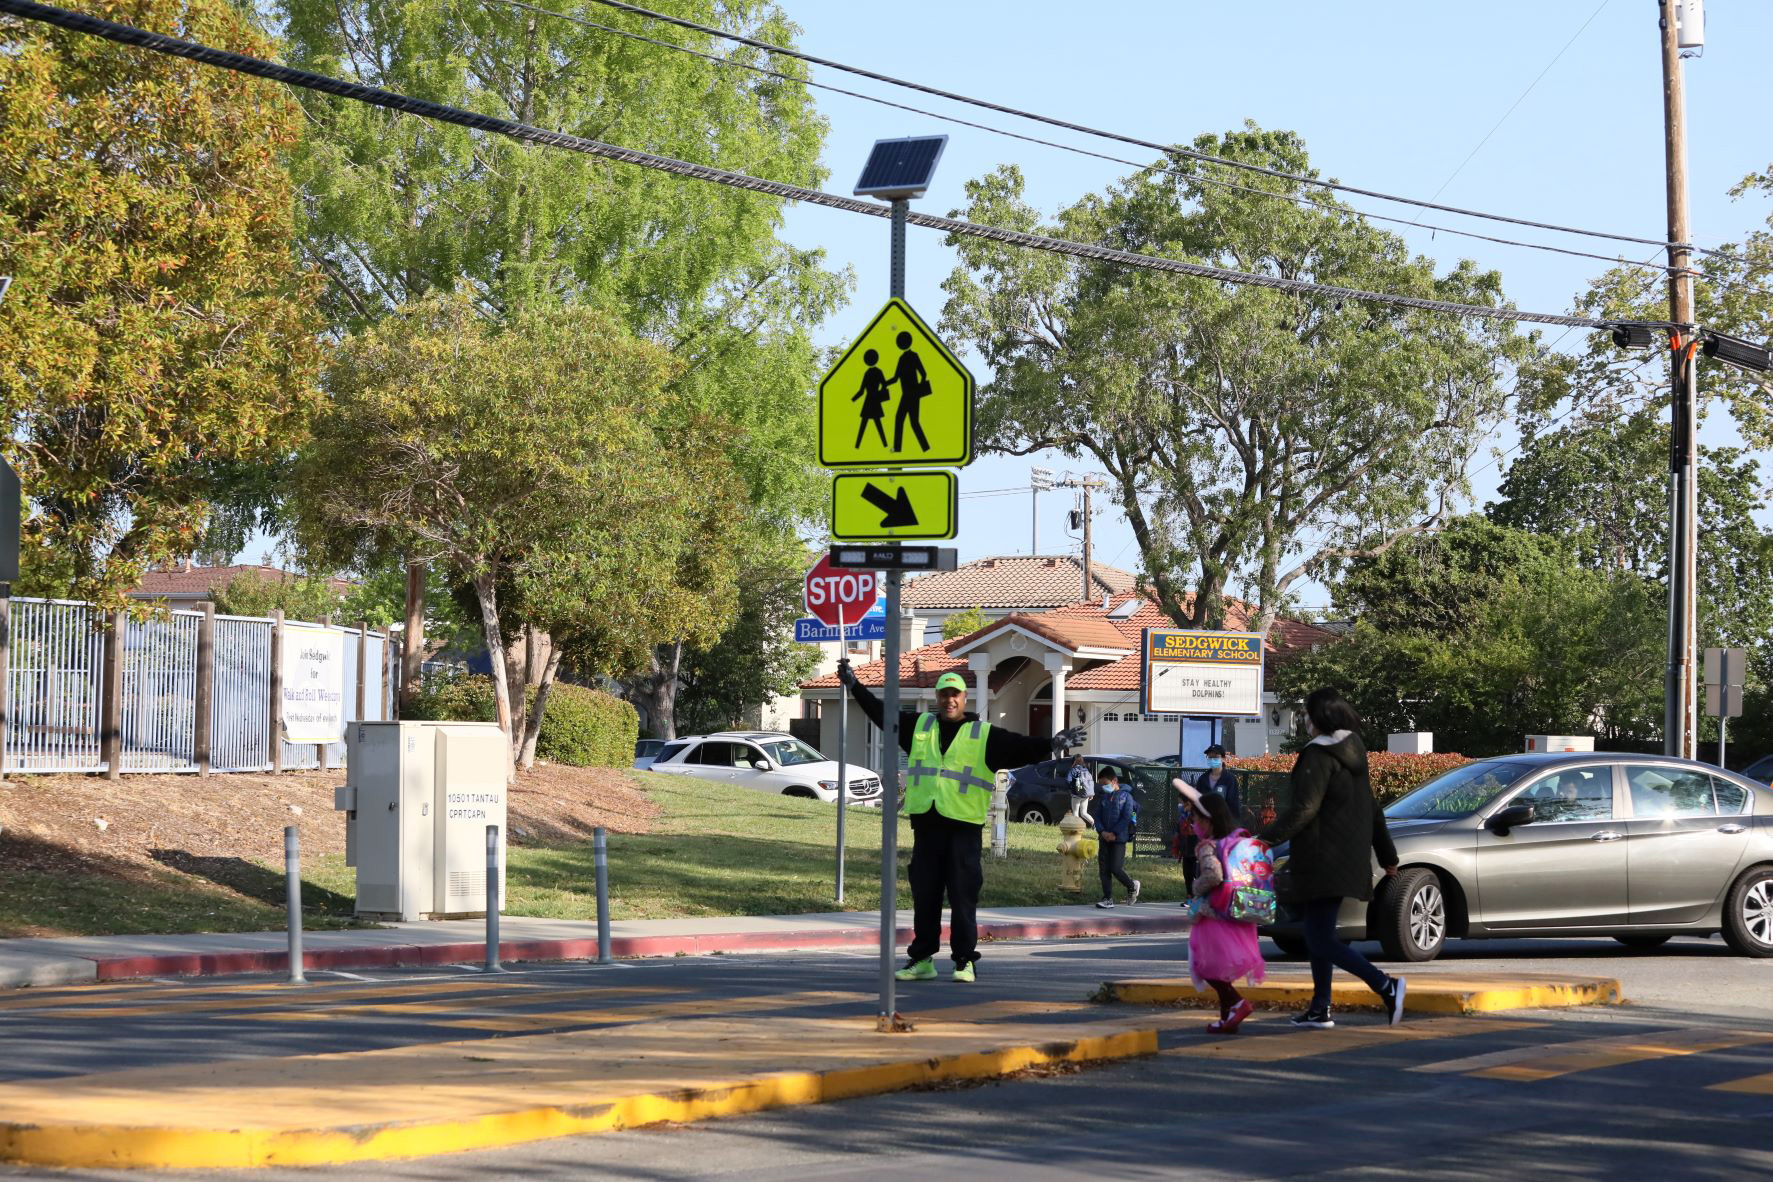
[1013,581]
[200,580]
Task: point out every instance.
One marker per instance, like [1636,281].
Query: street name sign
[897,398]
[812,631]
[835,597]
[867,506]
[1202,673]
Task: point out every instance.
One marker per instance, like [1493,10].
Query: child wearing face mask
[1221,950]
[1222,780]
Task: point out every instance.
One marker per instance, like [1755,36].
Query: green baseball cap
[952,681]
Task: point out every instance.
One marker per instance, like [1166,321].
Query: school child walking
[1221,950]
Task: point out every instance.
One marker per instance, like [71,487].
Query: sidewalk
[77,960]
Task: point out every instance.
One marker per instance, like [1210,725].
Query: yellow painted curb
[1427,994]
[97,1145]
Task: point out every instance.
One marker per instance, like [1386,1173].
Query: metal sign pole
[843,751]
[889,776]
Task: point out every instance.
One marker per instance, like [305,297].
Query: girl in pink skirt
[1220,950]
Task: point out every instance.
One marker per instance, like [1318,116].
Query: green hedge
[1392,775]
[581,727]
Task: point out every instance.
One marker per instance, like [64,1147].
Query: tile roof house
[999,586]
[1078,664]
[188,585]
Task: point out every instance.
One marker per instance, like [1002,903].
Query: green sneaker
[918,970]
[964,973]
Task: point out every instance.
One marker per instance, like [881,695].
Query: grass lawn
[716,850]
[721,850]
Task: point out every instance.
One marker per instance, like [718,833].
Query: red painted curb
[379,956]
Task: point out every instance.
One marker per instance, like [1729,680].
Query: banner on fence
[313,666]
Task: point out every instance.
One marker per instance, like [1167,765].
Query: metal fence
[1262,795]
[55,680]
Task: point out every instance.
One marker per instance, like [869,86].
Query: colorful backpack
[1248,892]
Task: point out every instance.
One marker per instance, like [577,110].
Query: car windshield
[789,752]
[1457,793]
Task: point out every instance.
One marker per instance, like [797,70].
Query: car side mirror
[1510,817]
[761,765]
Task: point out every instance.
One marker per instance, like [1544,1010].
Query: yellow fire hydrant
[1078,847]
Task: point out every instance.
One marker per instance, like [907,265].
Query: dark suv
[1040,792]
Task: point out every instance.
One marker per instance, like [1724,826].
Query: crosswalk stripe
[1754,1085]
[1527,1064]
[628,1015]
[338,999]
[1276,1043]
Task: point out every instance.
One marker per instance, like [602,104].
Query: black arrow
[899,513]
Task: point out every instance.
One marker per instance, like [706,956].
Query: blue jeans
[1326,949]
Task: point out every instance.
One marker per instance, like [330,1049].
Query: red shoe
[1230,1022]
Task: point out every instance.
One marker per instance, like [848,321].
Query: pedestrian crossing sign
[897,398]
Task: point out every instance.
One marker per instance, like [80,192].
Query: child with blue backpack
[1232,890]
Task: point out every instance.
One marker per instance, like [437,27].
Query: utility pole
[1681,706]
[1087,484]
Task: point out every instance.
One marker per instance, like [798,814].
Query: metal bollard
[601,855]
[492,900]
[292,872]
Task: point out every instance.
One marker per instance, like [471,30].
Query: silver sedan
[1636,847]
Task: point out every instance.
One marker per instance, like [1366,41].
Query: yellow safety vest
[955,781]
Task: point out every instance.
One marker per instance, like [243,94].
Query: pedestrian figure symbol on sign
[914,387]
[897,367]
[873,396]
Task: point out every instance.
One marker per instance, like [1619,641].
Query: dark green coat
[1333,822]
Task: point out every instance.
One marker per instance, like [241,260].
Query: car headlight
[828,785]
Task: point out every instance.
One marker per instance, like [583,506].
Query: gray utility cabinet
[417,799]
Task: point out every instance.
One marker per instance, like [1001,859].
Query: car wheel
[1643,942]
[1290,945]
[1034,814]
[1748,914]
[1413,916]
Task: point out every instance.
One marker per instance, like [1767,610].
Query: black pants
[1110,865]
[945,860]
[1327,951]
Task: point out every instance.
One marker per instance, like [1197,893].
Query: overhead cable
[1171,149]
[1295,198]
[307,80]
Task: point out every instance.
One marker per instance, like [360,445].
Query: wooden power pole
[1681,715]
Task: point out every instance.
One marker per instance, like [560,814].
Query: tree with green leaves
[547,465]
[160,347]
[1484,634]
[964,623]
[756,658]
[395,207]
[1248,435]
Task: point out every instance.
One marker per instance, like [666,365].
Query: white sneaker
[1134,897]
[1106,904]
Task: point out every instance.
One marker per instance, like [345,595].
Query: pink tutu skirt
[1223,950]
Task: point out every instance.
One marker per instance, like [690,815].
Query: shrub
[587,728]
[1392,776]
[580,727]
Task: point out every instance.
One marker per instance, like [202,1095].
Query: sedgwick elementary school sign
[1202,673]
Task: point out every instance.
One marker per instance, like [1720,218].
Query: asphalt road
[1680,1082]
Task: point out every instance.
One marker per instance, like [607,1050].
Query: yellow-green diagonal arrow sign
[868,506]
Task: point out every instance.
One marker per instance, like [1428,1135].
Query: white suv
[767,761]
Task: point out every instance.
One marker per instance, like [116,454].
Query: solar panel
[901,168]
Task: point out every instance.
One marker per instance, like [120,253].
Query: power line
[526,133]
[1168,149]
[1295,198]
[1523,97]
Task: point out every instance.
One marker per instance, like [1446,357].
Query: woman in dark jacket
[1333,822]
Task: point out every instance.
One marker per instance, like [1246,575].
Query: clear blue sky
[1392,95]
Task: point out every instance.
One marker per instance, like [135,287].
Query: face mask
[1215,764]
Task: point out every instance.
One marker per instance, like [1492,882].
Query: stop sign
[830,591]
